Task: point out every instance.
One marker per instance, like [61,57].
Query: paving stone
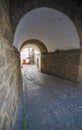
[51,103]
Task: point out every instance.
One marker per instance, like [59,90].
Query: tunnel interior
[56,36]
[55,29]
[52,27]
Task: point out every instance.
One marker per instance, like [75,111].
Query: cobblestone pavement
[51,103]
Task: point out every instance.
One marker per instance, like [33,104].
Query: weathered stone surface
[5,25]
[16,90]
[8,104]
[1,79]
[10,126]
[4,125]
[11,80]
[8,55]
[2,61]
[1,46]
[6,74]
[62,64]
[3,93]
[0,119]
[14,101]
[14,110]
[9,64]
[80,70]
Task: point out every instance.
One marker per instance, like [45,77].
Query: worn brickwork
[9,84]
[63,64]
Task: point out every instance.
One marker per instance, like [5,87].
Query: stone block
[8,55]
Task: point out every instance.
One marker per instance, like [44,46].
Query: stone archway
[52,27]
[36,44]
[70,8]
[59,34]
[10,77]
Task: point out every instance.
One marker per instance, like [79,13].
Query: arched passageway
[36,45]
[59,38]
[52,27]
[40,45]
[59,45]
[61,55]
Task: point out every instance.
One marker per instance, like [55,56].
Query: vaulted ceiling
[72,9]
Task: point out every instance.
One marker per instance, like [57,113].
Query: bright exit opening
[30,55]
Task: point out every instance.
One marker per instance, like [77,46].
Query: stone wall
[62,64]
[5,23]
[80,69]
[9,70]
[9,83]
